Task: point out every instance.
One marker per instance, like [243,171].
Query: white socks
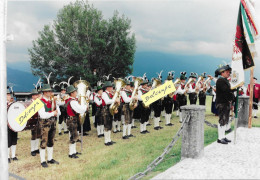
[74,148]
[144,126]
[118,125]
[221,132]
[109,136]
[168,118]
[59,127]
[34,145]
[156,122]
[98,130]
[133,122]
[129,129]
[71,149]
[65,126]
[178,112]
[255,112]
[102,129]
[42,155]
[8,153]
[106,136]
[50,153]
[93,118]
[228,126]
[180,115]
[123,119]
[141,127]
[114,125]
[124,129]
[13,149]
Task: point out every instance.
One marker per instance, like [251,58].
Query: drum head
[13,112]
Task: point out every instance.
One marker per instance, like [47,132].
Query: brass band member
[126,98]
[107,98]
[192,89]
[145,111]
[98,116]
[73,110]
[63,116]
[168,104]
[224,98]
[36,131]
[48,126]
[181,91]
[12,136]
[202,90]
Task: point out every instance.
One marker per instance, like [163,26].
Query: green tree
[79,40]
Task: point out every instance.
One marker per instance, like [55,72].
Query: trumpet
[205,83]
[188,83]
[175,82]
[197,83]
[113,108]
[133,102]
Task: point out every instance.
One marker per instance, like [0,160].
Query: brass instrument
[82,87]
[133,103]
[53,102]
[143,102]
[113,108]
[205,83]
[175,82]
[197,83]
[188,83]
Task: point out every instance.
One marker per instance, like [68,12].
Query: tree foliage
[80,40]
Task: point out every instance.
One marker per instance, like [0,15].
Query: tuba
[113,108]
[82,87]
[133,102]
[175,82]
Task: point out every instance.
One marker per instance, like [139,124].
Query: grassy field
[120,161]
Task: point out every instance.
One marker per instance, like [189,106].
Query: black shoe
[78,153]
[255,117]
[44,164]
[73,156]
[131,135]
[113,142]
[66,132]
[53,162]
[102,135]
[142,132]
[148,124]
[37,151]
[119,131]
[33,153]
[227,140]
[146,131]
[78,141]
[114,131]
[60,133]
[228,131]
[170,124]
[99,136]
[133,127]
[157,128]
[85,134]
[160,127]
[110,143]
[15,159]
[160,121]
[125,137]
[222,141]
[107,144]
[9,160]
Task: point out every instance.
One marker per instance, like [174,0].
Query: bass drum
[13,112]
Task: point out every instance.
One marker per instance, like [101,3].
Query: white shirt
[43,114]
[190,89]
[81,109]
[180,90]
[98,100]
[106,98]
[125,97]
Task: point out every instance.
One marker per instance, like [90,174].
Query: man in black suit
[224,98]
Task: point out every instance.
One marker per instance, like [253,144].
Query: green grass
[120,161]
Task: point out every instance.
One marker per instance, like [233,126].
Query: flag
[242,58]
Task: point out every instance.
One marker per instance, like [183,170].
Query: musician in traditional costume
[62,118]
[213,104]
[36,131]
[202,90]
[126,95]
[98,116]
[144,111]
[107,100]
[181,93]
[12,136]
[256,96]
[73,111]
[224,99]
[157,107]
[47,122]
[94,108]
[168,100]
[117,119]
[192,89]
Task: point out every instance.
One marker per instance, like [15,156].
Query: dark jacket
[224,93]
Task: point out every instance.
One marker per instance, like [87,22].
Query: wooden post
[251,95]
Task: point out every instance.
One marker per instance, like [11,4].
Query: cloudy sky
[190,27]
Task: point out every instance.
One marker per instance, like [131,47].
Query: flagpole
[251,95]
[3,106]
[236,112]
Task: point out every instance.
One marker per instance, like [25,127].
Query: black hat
[62,87]
[132,84]
[255,78]
[99,88]
[183,76]
[71,89]
[193,75]
[34,92]
[222,69]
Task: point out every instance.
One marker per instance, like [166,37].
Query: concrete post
[243,107]
[193,131]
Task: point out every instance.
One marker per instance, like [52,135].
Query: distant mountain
[152,62]
[23,81]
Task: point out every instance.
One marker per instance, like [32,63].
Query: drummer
[36,131]
[12,136]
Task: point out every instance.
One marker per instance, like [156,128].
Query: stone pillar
[243,114]
[193,131]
